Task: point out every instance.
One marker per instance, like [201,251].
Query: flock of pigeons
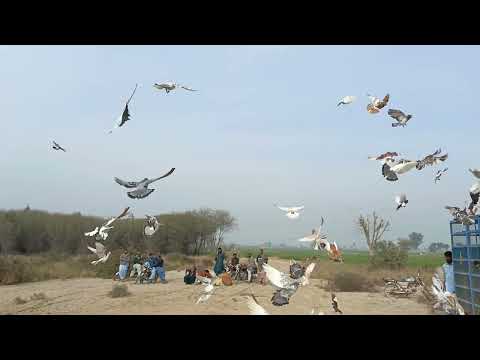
[137,189]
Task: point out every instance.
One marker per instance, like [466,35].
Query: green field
[426,261]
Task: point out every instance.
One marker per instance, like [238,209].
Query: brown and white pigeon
[376,104]
[400,116]
[460,216]
[431,159]
[141,189]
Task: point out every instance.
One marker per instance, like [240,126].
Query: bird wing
[92,249]
[127,184]
[440,158]
[131,96]
[475,188]
[124,213]
[398,200]
[91,233]
[308,238]
[475,172]
[309,270]
[277,278]
[161,177]
[187,88]
[283,208]
[254,307]
[372,109]
[139,193]
[298,208]
[452,209]
[403,197]
[100,249]
[396,114]
[383,103]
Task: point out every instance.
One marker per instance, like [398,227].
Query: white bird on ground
[170,86]
[475,172]
[401,201]
[291,212]
[316,237]
[141,187]
[207,291]
[102,232]
[99,250]
[55,146]
[347,100]
[439,174]
[151,226]
[445,300]
[125,114]
[254,307]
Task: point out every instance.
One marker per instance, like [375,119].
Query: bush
[119,290]
[388,255]
[351,282]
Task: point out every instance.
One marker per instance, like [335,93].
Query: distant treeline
[191,233]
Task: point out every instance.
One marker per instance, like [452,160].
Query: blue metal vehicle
[466,264]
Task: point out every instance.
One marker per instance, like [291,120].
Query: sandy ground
[90,296]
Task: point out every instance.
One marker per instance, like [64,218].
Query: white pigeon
[141,189]
[99,250]
[122,119]
[445,300]
[475,172]
[281,280]
[254,307]
[208,289]
[347,100]
[102,232]
[402,166]
[401,201]
[170,86]
[291,212]
[151,226]
[316,237]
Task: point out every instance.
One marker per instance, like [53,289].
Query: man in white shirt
[448,273]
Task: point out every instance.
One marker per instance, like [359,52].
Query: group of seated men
[146,268]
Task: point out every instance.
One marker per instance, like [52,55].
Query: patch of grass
[119,290]
[19,301]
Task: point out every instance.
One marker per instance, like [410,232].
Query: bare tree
[373,229]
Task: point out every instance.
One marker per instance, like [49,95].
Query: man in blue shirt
[448,273]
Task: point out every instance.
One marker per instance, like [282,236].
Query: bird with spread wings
[141,189]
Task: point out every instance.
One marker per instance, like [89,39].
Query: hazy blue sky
[263,128]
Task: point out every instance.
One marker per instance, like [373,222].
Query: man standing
[448,273]
[260,260]
[251,267]
[219,262]
[123,268]
[137,265]
[160,270]
[153,262]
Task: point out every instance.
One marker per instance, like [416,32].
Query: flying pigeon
[208,289]
[316,237]
[439,174]
[335,304]
[126,113]
[99,250]
[333,250]
[283,281]
[391,169]
[401,201]
[376,104]
[431,159]
[151,226]
[291,212]
[460,216]
[141,187]
[474,195]
[387,155]
[58,147]
[347,100]
[102,232]
[401,118]
[254,307]
[170,85]
[443,299]
[475,172]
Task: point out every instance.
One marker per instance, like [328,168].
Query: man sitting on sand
[123,267]
[190,276]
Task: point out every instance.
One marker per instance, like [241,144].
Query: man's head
[150,254]
[125,252]
[448,257]
[234,255]
[219,250]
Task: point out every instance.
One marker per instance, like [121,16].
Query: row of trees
[192,232]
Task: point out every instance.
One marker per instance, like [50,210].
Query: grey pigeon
[400,116]
[141,187]
[58,147]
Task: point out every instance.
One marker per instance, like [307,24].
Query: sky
[263,128]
